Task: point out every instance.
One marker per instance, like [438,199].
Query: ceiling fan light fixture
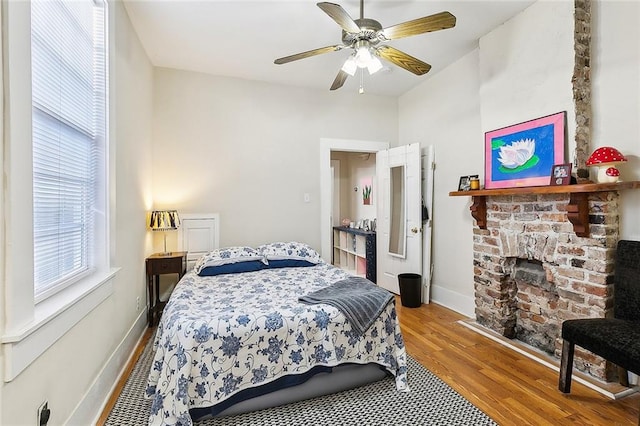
[374,65]
[350,66]
[364,35]
[363,56]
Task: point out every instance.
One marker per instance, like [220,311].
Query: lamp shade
[164,220]
[374,65]
[350,66]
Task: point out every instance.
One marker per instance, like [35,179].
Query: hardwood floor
[509,387]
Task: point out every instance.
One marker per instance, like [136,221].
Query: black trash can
[410,294]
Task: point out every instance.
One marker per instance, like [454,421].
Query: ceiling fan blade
[307,54]
[437,22]
[403,60]
[339,80]
[338,14]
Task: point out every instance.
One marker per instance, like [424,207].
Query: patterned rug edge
[430,402]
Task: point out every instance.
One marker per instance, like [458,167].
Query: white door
[198,234]
[399,215]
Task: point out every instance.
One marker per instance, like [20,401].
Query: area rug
[430,402]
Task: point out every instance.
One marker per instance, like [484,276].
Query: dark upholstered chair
[615,339]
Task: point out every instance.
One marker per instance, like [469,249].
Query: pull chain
[361,90]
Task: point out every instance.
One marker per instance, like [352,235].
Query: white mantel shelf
[577,209]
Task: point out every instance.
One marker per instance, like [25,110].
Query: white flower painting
[523,154]
[516,154]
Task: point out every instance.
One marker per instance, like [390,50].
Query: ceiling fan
[366,38]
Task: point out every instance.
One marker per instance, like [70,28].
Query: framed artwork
[367,188]
[561,174]
[523,154]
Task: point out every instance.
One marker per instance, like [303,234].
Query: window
[69,122]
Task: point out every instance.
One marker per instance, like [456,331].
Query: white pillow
[289,251]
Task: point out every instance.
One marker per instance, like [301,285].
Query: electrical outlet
[43,414]
[138,303]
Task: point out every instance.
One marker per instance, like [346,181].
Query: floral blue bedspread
[222,334]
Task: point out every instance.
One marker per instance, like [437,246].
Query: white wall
[445,112]
[521,70]
[250,150]
[616,96]
[363,167]
[76,373]
[526,67]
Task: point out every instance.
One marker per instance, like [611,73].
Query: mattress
[222,335]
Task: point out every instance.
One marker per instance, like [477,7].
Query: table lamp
[164,220]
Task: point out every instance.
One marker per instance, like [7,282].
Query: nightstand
[160,264]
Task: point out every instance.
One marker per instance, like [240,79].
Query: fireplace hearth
[537,323]
[531,271]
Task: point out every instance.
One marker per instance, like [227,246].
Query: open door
[399,225]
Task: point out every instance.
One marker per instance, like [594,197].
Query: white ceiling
[242,38]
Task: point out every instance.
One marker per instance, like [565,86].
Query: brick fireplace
[531,270]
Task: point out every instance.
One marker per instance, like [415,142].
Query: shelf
[354,231]
[354,251]
[559,189]
[577,209]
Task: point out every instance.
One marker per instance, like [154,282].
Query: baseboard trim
[90,407]
[455,301]
[610,390]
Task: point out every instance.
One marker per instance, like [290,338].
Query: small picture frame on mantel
[465,183]
[560,174]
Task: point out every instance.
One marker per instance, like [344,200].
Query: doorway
[354,192]
[327,146]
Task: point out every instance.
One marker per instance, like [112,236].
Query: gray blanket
[357,298]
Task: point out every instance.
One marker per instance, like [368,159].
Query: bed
[234,334]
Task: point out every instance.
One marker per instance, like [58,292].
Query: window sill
[53,317]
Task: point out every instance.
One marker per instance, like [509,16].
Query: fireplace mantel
[577,209]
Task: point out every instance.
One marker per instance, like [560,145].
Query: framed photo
[561,174]
[523,154]
[465,183]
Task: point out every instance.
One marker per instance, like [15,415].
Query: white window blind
[69,87]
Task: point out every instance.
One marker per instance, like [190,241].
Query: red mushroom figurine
[605,158]
[612,174]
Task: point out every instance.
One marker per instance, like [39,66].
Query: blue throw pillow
[226,256]
[232,268]
[289,263]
